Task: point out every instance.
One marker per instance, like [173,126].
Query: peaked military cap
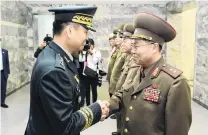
[128,30]
[80,15]
[115,31]
[120,28]
[153,28]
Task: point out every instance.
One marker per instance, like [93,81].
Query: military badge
[62,62]
[76,78]
[154,86]
[152,94]
[155,72]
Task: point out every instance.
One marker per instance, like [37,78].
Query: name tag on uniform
[152,94]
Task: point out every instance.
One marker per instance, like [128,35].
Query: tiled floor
[14,119]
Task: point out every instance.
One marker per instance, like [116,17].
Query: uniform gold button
[131,108]
[125,130]
[127,119]
[135,97]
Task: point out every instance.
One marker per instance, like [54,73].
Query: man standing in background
[113,54]
[119,61]
[129,70]
[46,42]
[5,71]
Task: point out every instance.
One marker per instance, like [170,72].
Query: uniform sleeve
[56,94]
[178,115]
[116,102]
[116,73]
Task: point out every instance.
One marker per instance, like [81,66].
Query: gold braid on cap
[83,19]
[141,36]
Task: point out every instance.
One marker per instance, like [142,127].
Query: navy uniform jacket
[5,60]
[54,101]
[38,51]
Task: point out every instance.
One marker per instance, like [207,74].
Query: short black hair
[91,41]
[58,27]
[47,38]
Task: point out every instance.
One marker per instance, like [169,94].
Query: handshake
[105,109]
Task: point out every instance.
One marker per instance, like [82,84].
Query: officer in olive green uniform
[129,68]
[159,100]
[120,59]
[113,54]
[55,89]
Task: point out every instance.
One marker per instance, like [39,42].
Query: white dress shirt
[1,60]
[93,60]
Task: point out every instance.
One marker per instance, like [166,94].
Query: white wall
[45,26]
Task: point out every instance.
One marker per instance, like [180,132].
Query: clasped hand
[105,109]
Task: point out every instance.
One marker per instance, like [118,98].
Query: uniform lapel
[127,63]
[66,58]
[147,80]
[144,83]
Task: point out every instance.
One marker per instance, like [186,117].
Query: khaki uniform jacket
[116,72]
[158,105]
[111,64]
[130,69]
[128,73]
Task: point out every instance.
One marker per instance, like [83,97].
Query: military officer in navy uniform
[54,88]
[5,71]
[158,101]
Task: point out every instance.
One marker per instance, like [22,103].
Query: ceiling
[41,7]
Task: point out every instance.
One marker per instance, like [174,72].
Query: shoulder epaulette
[172,71]
[59,63]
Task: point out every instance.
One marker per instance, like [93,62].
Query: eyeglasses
[136,43]
[119,36]
[125,39]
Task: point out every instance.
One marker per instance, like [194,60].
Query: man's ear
[156,46]
[69,30]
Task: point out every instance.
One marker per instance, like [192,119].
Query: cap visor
[88,27]
[91,28]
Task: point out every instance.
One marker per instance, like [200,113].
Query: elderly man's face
[142,51]
[119,39]
[126,45]
[112,42]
